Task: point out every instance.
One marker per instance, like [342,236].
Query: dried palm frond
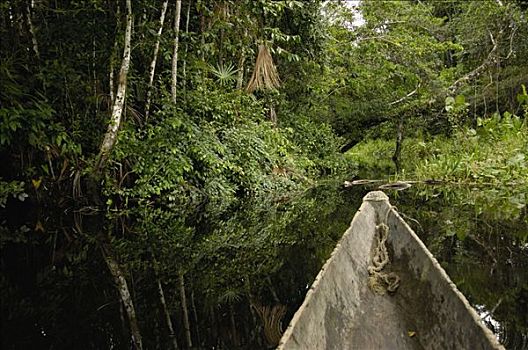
[265,74]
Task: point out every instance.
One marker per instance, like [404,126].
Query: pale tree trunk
[34,41]
[111,81]
[172,335]
[186,45]
[175,53]
[112,58]
[124,293]
[110,137]
[240,78]
[186,324]
[155,58]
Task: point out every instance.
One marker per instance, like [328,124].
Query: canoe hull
[427,311]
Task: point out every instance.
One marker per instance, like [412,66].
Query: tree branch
[405,97]
[490,60]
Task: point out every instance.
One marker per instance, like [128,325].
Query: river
[254,263]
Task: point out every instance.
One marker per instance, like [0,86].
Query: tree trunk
[124,293]
[186,45]
[155,58]
[195,316]
[396,157]
[122,318]
[240,78]
[214,334]
[186,324]
[34,41]
[94,72]
[175,53]
[112,57]
[110,137]
[233,325]
[166,313]
[111,81]
[251,299]
[202,35]
[156,328]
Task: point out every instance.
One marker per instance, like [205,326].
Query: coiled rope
[380,281]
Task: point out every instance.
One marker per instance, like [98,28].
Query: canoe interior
[340,311]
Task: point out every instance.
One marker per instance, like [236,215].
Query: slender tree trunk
[155,58]
[233,324]
[221,48]
[214,325]
[172,335]
[251,307]
[124,293]
[29,10]
[156,328]
[396,157]
[240,78]
[186,324]
[112,58]
[186,45]
[111,82]
[94,71]
[202,37]
[175,53]
[110,137]
[195,316]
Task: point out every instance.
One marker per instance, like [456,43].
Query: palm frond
[224,74]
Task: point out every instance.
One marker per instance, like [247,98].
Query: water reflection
[244,262]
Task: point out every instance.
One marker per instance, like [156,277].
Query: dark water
[57,293]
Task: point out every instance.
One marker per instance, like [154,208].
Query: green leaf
[460,100]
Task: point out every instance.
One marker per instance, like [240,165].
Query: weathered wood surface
[426,312]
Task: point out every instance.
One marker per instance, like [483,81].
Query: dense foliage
[154,152]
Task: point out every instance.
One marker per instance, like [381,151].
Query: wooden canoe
[426,311]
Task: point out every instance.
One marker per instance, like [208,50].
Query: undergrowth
[494,153]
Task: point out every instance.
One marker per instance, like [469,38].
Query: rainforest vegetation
[153,153]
